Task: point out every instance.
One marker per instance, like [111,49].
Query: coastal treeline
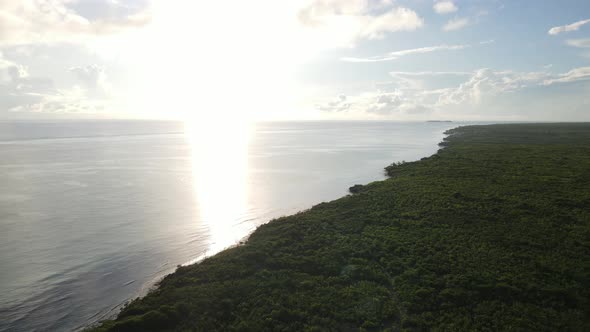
[492,233]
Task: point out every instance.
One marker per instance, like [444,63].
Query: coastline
[153,284]
[404,243]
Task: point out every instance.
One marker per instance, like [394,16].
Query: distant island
[491,233]
[439,121]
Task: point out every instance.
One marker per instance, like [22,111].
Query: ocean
[93,213]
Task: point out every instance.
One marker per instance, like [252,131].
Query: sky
[471,60]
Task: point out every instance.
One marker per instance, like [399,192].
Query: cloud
[378,103]
[397,19]
[343,22]
[479,88]
[10,71]
[398,54]
[32,21]
[67,102]
[574,75]
[17,87]
[444,7]
[580,43]
[428,73]
[94,79]
[422,79]
[456,24]
[421,50]
[567,28]
[22,93]
[486,82]
[339,104]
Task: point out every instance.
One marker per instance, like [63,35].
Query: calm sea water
[93,213]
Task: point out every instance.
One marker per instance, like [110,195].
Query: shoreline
[444,243]
[154,284]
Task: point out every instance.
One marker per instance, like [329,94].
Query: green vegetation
[491,234]
[357,188]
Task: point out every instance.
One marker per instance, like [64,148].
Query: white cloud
[485,83]
[576,74]
[22,93]
[377,104]
[456,24]
[567,28]
[424,80]
[343,22]
[93,79]
[428,73]
[10,71]
[70,101]
[17,87]
[339,104]
[444,7]
[479,89]
[31,21]
[580,43]
[397,19]
[398,54]
[421,50]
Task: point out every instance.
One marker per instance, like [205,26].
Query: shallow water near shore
[92,213]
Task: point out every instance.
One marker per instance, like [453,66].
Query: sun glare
[220,174]
[212,60]
[220,68]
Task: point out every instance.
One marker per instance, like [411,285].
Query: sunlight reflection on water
[220,175]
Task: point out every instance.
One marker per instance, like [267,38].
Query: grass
[491,233]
